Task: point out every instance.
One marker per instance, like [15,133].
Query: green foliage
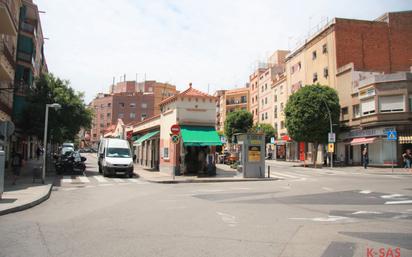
[239,121]
[307,117]
[64,123]
[266,129]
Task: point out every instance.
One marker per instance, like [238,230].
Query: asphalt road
[322,214]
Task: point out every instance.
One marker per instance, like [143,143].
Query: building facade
[229,101]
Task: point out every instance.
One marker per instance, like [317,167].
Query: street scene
[217,128]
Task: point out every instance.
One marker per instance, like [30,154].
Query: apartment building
[230,101]
[254,92]
[159,90]
[341,54]
[9,20]
[127,106]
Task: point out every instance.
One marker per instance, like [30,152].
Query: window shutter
[368,106]
[391,103]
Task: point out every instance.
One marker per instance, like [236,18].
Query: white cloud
[204,42]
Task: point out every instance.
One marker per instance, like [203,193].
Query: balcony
[28,28]
[25,57]
[235,101]
[6,97]
[7,64]
[8,17]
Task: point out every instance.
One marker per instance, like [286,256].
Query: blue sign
[392,135]
[272,140]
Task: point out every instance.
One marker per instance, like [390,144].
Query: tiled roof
[188,92]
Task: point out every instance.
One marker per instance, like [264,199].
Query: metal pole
[268,171]
[393,157]
[45,144]
[331,131]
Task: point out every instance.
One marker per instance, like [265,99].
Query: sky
[214,44]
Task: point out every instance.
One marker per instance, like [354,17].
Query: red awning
[286,138]
[362,140]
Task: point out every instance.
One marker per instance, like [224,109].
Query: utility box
[252,154]
[2,171]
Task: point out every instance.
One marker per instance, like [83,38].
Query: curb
[28,205]
[194,181]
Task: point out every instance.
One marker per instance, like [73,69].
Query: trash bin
[37,173]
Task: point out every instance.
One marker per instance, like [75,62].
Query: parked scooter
[71,163]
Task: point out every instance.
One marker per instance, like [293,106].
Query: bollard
[269,171]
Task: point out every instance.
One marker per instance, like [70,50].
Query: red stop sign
[175,129]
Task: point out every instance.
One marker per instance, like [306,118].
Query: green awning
[199,136]
[134,138]
[146,136]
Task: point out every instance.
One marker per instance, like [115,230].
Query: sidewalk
[370,169]
[25,193]
[223,174]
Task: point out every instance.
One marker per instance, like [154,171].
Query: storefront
[146,149]
[381,151]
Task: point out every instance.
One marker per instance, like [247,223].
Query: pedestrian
[210,161]
[365,158]
[407,159]
[16,163]
[38,152]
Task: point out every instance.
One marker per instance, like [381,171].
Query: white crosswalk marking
[118,180]
[133,180]
[67,179]
[100,179]
[84,179]
[282,175]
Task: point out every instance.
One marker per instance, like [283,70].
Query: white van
[115,157]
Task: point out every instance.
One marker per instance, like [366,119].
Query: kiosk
[252,154]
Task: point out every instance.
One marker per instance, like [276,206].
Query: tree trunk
[315,153]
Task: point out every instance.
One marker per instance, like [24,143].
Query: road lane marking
[365,192]
[228,219]
[283,175]
[399,202]
[391,196]
[67,179]
[327,189]
[330,218]
[367,212]
[83,179]
[100,179]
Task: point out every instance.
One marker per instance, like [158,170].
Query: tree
[266,129]
[239,121]
[307,116]
[65,123]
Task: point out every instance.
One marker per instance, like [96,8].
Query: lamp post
[55,106]
[331,130]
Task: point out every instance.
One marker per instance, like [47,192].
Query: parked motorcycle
[71,163]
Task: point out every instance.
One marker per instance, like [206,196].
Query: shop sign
[255,142]
[382,131]
[254,154]
[331,137]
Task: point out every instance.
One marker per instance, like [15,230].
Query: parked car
[115,157]
[71,162]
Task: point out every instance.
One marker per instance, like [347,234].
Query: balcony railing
[5,50]
[6,98]
[26,57]
[229,102]
[29,28]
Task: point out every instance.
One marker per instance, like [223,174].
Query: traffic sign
[175,129]
[6,128]
[331,137]
[392,135]
[175,139]
[272,140]
[331,147]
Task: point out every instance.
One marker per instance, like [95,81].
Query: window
[243,99]
[262,88]
[410,103]
[356,111]
[109,104]
[262,102]
[266,115]
[299,66]
[325,72]
[253,100]
[132,115]
[101,115]
[132,105]
[266,100]
[144,105]
[292,69]
[281,107]
[165,152]
[144,116]
[314,55]
[392,103]
[121,105]
[108,124]
[276,111]
[325,48]
[94,135]
[275,125]
[368,106]
[315,77]
[266,86]
[282,125]
[101,125]
[120,116]
[344,112]
[281,89]
[263,116]
[276,97]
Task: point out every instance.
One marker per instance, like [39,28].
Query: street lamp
[54,106]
